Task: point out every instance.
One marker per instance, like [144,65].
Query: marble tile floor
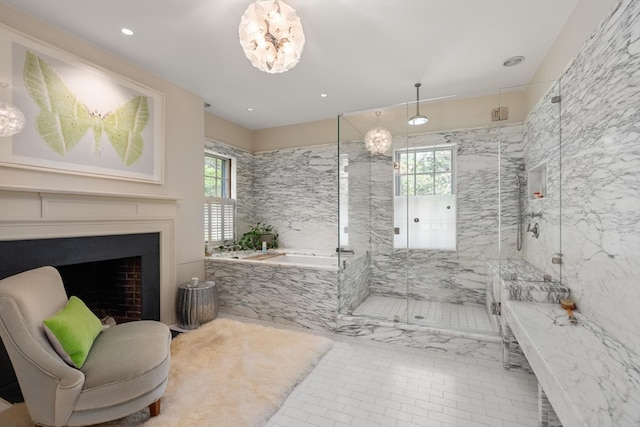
[467,317]
[360,383]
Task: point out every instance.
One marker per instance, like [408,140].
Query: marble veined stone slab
[590,378]
[520,281]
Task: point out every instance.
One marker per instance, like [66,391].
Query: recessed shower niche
[538,181]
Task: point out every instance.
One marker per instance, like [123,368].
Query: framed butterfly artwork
[80,118]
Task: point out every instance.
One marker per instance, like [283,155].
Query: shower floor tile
[468,317]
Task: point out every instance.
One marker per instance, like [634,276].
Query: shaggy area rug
[224,374]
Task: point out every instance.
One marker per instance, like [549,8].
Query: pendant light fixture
[271,36]
[378,140]
[418,119]
[11,118]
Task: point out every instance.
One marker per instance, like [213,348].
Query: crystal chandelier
[377,140]
[271,36]
[11,118]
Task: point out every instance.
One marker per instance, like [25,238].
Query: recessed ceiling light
[249,109]
[127,32]
[514,60]
[323,95]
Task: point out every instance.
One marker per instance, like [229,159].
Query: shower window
[424,171]
[425,202]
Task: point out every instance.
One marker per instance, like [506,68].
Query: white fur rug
[224,374]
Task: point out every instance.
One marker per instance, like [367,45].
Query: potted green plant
[252,239]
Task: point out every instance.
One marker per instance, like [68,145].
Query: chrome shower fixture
[418,119]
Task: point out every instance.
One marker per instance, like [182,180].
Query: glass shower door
[373,283]
[530,176]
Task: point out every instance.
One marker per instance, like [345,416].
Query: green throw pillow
[72,331]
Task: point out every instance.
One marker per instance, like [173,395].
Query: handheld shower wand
[520,230]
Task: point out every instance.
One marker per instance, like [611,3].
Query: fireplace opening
[85,260]
[110,288]
[117,276]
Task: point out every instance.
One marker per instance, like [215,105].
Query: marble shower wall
[542,139]
[600,175]
[511,156]
[447,276]
[296,191]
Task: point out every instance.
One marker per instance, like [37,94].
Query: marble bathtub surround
[590,378]
[298,294]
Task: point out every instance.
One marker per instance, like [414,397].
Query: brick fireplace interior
[117,276]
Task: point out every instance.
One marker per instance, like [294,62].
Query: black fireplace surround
[21,255]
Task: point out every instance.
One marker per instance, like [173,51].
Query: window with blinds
[219,207]
[219,220]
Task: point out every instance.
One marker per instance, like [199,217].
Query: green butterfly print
[64,120]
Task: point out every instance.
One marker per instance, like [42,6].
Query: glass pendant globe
[378,140]
[271,36]
[11,120]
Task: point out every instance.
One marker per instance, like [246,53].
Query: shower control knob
[448,207]
[416,219]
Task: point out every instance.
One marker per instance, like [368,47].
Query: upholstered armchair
[125,370]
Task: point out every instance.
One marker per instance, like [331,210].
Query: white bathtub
[287,260]
[304,261]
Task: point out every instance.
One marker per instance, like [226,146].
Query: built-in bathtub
[292,288]
[305,261]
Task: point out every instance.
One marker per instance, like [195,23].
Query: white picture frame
[100,93]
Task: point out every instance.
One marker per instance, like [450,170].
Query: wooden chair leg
[154,408]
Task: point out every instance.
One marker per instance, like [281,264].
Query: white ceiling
[364,54]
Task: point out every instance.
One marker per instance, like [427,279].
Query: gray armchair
[126,369]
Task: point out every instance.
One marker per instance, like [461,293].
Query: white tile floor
[367,384]
[468,317]
[360,383]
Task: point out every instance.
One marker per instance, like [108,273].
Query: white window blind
[219,217]
[435,227]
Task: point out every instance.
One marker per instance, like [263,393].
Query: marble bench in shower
[518,280]
[588,377]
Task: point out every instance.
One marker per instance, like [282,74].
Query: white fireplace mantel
[38,213]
